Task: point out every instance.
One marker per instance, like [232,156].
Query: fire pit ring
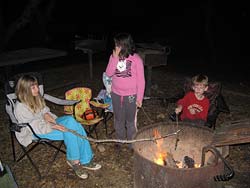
[192,139]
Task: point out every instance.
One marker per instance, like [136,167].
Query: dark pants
[124,108]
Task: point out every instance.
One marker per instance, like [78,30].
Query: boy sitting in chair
[194,105]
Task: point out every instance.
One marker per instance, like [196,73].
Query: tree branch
[154,139]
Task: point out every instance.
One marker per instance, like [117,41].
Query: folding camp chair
[216,99]
[84,95]
[15,126]
[105,97]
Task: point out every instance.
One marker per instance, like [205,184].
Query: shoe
[78,170]
[92,166]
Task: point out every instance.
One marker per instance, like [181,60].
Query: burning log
[169,161]
[188,162]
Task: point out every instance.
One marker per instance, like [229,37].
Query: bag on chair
[89,114]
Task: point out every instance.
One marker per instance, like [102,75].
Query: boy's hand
[192,111]
[178,109]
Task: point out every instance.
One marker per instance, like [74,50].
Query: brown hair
[125,41]
[201,79]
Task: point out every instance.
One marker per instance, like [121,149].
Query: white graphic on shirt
[121,65]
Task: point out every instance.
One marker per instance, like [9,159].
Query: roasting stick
[177,136]
[150,121]
[118,140]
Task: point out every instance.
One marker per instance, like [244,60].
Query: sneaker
[78,170]
[92,166]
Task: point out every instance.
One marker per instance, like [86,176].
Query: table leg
[90,54]
[148,81]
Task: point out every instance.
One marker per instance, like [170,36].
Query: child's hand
[178,109]
[59,127]
[138,104]
[47,117]
[116,51]
[192,111]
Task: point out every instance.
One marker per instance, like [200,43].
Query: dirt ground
[117,168]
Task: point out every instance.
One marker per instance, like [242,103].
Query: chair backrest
[10,84]
[9,107]
[11,97]
[217,102]
[214,89]
[213,93]
[83,94]
[107,81]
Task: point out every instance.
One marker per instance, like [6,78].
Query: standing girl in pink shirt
[126,69]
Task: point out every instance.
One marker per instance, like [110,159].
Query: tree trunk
[30,12]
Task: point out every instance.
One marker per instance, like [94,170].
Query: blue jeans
[76,147]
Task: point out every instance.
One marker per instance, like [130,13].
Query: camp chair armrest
[33,132]
[97,104]
[17,126]
[59,101]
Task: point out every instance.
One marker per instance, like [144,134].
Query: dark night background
[199,32]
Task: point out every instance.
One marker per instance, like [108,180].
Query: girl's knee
[70,119]
[67,121]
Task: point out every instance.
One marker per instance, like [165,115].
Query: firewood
[170,161]
[188,162]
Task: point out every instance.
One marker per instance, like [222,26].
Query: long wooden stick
[177,137]
[149,120]
[120,141]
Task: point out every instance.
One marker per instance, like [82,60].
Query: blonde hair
[24,93]
[200,79]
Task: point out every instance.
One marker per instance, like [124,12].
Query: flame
[179,164]
[197,165]
[160,155]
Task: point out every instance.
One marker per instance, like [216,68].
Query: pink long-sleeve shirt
[129,81]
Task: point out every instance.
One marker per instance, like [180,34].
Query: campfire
[164,158]
[160,155]
[159,164]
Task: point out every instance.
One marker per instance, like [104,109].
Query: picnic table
[153,55]
[90,47]
[22,56]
